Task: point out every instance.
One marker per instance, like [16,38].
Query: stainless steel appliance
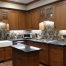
[29,35]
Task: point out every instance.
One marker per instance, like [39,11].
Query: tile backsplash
[47,33]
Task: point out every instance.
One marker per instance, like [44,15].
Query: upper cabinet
[22,20]
[0,14]
[33,19]
[13,20]
[4,15]
[47,13]
[60,16]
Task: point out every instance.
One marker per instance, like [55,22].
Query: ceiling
[23,1]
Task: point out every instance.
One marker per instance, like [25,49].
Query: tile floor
[9,63]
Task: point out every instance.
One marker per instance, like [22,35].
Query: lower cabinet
[8,53]
[2,54]
[43,55]
[19,60]
[5,53]
[57,55]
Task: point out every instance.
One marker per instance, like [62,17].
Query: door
[28,20]
[42,14]
[60,16]
[13,20]
[5,16]
[22,20]
[50,12]
[2,54]
[0,15]
[8,53]
[43,55]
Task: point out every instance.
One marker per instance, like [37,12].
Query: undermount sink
[5,43]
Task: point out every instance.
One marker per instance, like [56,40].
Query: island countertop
[26,48]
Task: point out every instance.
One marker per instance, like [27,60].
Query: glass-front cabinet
[47,13]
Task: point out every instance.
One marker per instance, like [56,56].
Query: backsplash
[47,33]
[3,31]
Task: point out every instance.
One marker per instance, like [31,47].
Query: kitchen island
[24,55]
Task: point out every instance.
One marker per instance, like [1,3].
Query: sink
[5,43]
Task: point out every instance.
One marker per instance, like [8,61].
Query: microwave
[29,35]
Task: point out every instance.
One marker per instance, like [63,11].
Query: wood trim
[20,3]
[47,5]
[32,2]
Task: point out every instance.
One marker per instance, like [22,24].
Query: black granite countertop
[54,42]
[26,48]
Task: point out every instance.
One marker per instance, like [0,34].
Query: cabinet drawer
[56,63]
[56,55]
[56,48]
[56,52]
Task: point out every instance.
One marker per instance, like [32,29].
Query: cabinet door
[8,53]
[28,20]
[43,55]
[22,20]
[13,20]
[36,19]
[0,15]
[60,16]
[5,16]
[2,54]
[50,12]
[42,14]
[55,55]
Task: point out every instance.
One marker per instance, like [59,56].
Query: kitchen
[44,20]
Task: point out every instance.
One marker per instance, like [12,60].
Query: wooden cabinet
[57,55]
[60,14]
[5,53]
[8,53]
[2,54]
[13,20]
[4,15]
[0,15]
[33,19]
[47,13]
[21,58]
[28,20]
[22,20]
[43,55]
